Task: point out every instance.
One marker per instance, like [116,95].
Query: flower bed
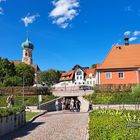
[114,125]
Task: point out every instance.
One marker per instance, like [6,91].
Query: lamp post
[23,91]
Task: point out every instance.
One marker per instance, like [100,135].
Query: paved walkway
[54,126]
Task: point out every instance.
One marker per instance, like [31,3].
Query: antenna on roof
[126,39]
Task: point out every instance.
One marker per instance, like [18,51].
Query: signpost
[39,100]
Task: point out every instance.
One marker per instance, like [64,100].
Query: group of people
[68,104]
[10,101]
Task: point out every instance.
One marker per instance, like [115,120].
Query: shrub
[136,91]
[4,112]
[114,125]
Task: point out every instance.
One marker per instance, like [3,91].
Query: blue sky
[67,32]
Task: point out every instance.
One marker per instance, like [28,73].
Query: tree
[50,76]
[93,66]
[26,72]
[7,70]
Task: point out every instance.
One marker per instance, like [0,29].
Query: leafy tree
[26,73]
[7,69]
[50,76]
[93,65]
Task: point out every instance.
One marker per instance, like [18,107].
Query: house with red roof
[121,66]
[77,77]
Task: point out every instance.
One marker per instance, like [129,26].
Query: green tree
[7,70]
[93,66]
[26,73]
[50,76]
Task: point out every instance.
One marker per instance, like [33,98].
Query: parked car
[40,85]
[84,87]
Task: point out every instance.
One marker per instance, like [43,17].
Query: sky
[67,32]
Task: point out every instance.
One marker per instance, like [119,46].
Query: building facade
[76,78]
[121,66]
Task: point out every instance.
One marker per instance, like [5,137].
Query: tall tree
[50,76]
[7,70]
[26,72]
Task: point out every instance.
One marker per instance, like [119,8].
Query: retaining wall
[10,123]
[50,106]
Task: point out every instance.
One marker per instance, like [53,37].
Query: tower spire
[27,32]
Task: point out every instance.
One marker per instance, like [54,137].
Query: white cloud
[127,33]
[129,8]
[29,19]
[132,39]
[2,1]
[136,33]
[64,11]
[1,11]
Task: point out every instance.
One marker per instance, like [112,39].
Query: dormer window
[79,73]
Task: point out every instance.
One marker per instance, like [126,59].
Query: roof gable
[122,57]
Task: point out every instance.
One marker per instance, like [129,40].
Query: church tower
[27,48]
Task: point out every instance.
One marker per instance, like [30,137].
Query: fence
[118,106]
[113,87]
[26,90]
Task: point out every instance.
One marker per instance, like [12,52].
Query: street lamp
[23,90]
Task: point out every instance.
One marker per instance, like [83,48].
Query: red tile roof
[67,76]
[122,57]
[88,71]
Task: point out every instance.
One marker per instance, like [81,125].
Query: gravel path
[54,126]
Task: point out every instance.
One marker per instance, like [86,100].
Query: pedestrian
[12,100]
[77,104]
[63,104]
[8,101]
[57,105]
[72,105]
[90,106]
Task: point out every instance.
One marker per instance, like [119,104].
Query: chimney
[126,40]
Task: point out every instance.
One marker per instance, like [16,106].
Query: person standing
[12,100]
[8,101]
[57,105]
[63,102]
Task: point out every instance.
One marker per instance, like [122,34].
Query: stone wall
[10,123]
[50,106]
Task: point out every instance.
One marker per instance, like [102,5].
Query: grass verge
[30,115]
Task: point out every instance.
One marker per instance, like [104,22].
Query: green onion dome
[27,44]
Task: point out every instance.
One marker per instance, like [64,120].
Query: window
[79,73]
[87,82]
[120,75]
[77,77]
[108,75]
[80,77]
[90,82]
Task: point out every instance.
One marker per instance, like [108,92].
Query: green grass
[113,98]
[29,100]
[30,115]
[114,125]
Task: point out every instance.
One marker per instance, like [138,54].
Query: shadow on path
[18,133]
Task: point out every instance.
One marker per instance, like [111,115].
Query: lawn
[30,115]
[29,100]
[114,125]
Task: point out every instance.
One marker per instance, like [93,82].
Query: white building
[76,78]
